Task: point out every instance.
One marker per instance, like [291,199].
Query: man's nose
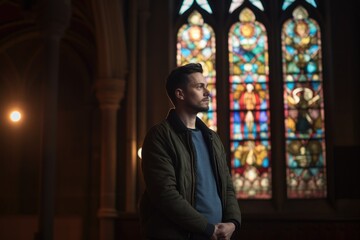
[207,92]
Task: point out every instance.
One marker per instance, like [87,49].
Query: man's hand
[223,231]
[214,237]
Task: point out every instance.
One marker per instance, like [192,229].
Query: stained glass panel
[258,4]
[312,2]
[187,4]
[287,3]
[249,108]
[304,107]
[204,5]
[237,3]
[196,43]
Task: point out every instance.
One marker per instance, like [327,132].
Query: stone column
[112,70]
[109,93]
[53,19]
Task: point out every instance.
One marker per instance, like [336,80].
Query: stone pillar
[53,19]
[109,93]
[112,72]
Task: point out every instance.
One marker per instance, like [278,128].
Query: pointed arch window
[249,107]
[247,126]
[304,106]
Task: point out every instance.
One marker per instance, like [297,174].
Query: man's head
[187,86]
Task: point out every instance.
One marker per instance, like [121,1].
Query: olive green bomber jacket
[167,205]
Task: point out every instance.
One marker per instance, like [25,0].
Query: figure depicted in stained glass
[249,99]
[305,154]
[301,120]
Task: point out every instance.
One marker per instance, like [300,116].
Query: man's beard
[198,108]
[202,109]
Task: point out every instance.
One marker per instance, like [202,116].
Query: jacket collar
[179,126]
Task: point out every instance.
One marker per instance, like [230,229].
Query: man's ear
[179,93]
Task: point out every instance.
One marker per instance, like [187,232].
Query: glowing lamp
[139,152]
[15,116]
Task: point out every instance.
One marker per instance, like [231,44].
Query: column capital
[109,92]
[107,213]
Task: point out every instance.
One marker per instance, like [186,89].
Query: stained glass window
[304,107]
[249,108]
[249,101]
[196,43]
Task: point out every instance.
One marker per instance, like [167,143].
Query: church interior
[82,81]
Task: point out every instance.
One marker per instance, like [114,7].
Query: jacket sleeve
[232,211]
[161,186]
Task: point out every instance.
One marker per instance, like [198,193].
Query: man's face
[196,95]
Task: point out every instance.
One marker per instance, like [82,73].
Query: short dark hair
[178,78]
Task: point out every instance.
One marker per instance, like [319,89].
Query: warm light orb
[15,116]
[139,152]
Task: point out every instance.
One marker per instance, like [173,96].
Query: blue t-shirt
[207,200]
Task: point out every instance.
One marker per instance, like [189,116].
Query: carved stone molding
[109,92]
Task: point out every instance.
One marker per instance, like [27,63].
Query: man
[188,189]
